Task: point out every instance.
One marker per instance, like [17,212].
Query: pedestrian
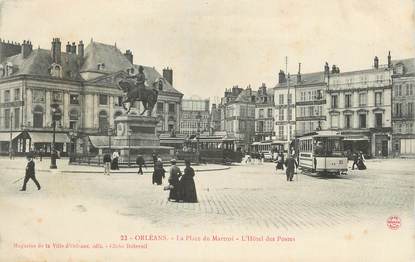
[280,161]
[155,157]
[114,163]
[175,174]
[360,161]
[140,162]
[355,160]
[107,164]
[30,173]
[290,165]
[262,157]
[41,154]
[187,185]
[159,172]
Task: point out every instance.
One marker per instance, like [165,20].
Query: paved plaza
[245,199]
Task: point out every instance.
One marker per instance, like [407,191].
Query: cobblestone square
[245,200]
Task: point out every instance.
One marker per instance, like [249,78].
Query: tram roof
[326,133]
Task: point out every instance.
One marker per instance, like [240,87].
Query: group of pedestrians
[359,161]
[182,186]
[290,165]
[111,162]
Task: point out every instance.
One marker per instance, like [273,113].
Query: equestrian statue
[135,89]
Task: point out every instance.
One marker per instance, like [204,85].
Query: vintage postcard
[185,130]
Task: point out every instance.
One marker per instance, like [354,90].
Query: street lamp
[72,135]
[56,116]
[110,131]
[11,136]
[129,146]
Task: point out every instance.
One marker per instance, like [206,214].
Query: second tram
[322,152]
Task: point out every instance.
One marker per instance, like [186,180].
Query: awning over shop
[99,141]
[171,141]
[356,138]
[38,137]
[6,136]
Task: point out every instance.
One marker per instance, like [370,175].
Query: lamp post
[110,131]
[72,135]
[11,136]
[56,116]
[129,146]
[198,117]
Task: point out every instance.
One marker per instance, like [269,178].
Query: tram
[322,152]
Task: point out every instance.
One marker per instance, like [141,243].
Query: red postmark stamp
[393,222]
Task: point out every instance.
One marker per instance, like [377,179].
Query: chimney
[73,48]
[376,62]
[81,51]
[389,60]
[68,48]
[168,75]
[299,73]
[129,55]
[56,51]
[26,48]
[281,77]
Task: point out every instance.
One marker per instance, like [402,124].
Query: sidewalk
[19,163]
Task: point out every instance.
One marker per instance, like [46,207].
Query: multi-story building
[81,82]
[310,90]
[215,120]
[264,114]
[359,105]
[239,117]
[285,111]
[403,99]
[195,116]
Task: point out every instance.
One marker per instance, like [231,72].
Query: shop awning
[38,137]
[6,136]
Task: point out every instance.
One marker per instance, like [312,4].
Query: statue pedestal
[136,135]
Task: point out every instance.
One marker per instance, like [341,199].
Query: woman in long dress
[159,172]
[280,161]
[360,162]
[187,185]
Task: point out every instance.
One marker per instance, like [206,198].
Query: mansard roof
[409,65]
[99,53]
[39,62]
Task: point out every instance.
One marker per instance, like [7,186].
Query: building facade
[195,116]
[403,99]
[264,114]
[82,83]
[285,109]
[359,107]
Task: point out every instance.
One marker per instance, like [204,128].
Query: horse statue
[147,96]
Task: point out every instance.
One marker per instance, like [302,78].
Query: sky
[214,45]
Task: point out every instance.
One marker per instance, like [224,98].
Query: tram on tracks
[322,153]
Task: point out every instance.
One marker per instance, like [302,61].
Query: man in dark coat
[107,164]
[290,164]
[140,162]
[175,174]
[159,172]
[355,160]
[30,173]
[154,156]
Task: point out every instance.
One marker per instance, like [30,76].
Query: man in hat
[175,174]
[140,162]
[30,173]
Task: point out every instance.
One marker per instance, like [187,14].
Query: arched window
[103,121]
[73,119]
[38,117]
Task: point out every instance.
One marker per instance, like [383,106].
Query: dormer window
[55,70]
[9,69]
[399,69]
[101,66]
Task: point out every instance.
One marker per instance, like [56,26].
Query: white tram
[322,152]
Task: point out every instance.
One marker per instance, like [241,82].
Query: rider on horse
[140,79]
